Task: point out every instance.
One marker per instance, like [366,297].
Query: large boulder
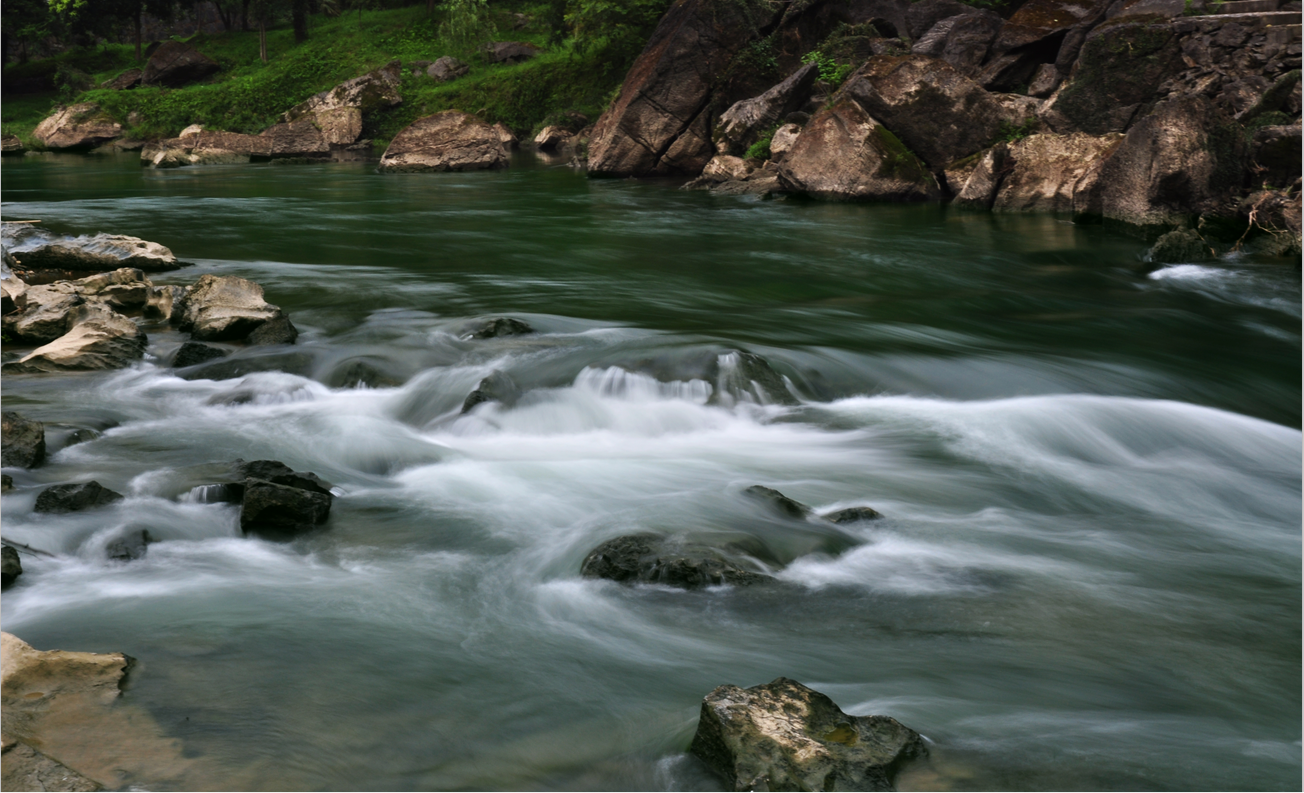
[843,153]
[1035,34]
[785,736]
[37,249]
[1046,173]
[670,561]
[1117,77]
[175,64]
[98,338]
[961,40]
[278,473]
[299,138]
[23,444]
[81,127]
[782,140]
[447,141]
[375,90]
[745,122]
[660,122]
[924,15]
[44,316]
[937,112]
[74,497]
[10,566]
[225,308]
[281,511]
[128,79]
[1183,159]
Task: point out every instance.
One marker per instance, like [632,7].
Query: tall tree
[299,18]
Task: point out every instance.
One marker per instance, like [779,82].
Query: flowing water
[1087,576]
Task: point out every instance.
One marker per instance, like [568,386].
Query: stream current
[1087,576]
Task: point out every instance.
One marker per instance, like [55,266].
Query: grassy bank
[248,95]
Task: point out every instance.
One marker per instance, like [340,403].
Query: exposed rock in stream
[77,127]
[497,387]
[278,502]
[35,248]
[671,561]
[778,502]
[496,328]
[23,441]
[228,308]
[10,566]
[447,141]
[75,497]
[97,338]
[785,736]
[192,353]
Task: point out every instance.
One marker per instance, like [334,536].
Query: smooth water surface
[1087,576]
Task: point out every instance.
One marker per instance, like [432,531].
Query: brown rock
[373,91]
[782,140]
[1277,155]
[1033,35]
[962,40]
[175,64]
[938,113]
[128,79]
[1183,159]
[447,141]
[1046,173]
[785,736]
[725,167]
[225,308]
[550,137]
[983,180]
[745,122]
[299,138]
[340,126]
[24,768]
[924,15]
[843,153]
[81,126]
[11,146]
[660,122]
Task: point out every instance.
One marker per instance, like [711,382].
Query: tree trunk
[430,7]
[262,38]
[299,17]
[140,10]
[244,15]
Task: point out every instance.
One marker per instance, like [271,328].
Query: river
[1088,575]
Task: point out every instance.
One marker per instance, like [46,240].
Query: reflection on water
[1088,575]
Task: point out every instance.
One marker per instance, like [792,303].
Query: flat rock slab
[785,736]
[24,768]
[37,249]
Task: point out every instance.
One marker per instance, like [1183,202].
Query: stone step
[1247,6]
[1284,34]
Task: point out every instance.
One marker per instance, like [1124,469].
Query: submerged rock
[10,566]
[778,502]
[25,768]
[656,559]
[192,353]
[447,141]
[785,736]
[75,497]
[23,441]
[1180,246]
[131,545]
[497,387]
[852,515]
[496,328]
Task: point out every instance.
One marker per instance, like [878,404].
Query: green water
[1088,576]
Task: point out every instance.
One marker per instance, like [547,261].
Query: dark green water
[1088,576]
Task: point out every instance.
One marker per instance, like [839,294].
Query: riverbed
[1087,575]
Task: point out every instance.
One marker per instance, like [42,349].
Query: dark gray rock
[853,515]
[6,483]
[785,736]
[496,328]
[131,545]
[281,474]
[1180,246]
[75,497]
[1277,152]
[778,502]
[23,441]
[193,352]
[497,387]
[656,559]
[510,51]
[744,373]
[279,512]
[447,68]
[275,331]
[961,40]
[923,15]
[175,64]
[356,373]
[10,566]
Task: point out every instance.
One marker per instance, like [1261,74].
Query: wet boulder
[1183,159]
[175,64]
[447,141]
[45,313]
[275,331]
[281,511]
[226,308]
[129,546]
[778,502]
[962,40]
[13,295]
[844,153]
[75,497]
[551,138]
[745,122]
[77,127]
[37,249]
[852,515]
[97,338]
[748,376]
[278,473]
[193,353]
[23,444]
[938,113]
[10,566]
[724,168]
[785,736]
[660,123]
[497,387]
[447,68]
[657,559]
[1180,246]
[205,147]
[496,328]
[6,483]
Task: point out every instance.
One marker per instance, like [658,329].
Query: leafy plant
[831,71]
[760,150]
[1012,133]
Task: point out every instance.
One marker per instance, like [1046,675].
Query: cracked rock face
[785,736]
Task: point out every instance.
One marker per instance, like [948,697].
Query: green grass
[248,95]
